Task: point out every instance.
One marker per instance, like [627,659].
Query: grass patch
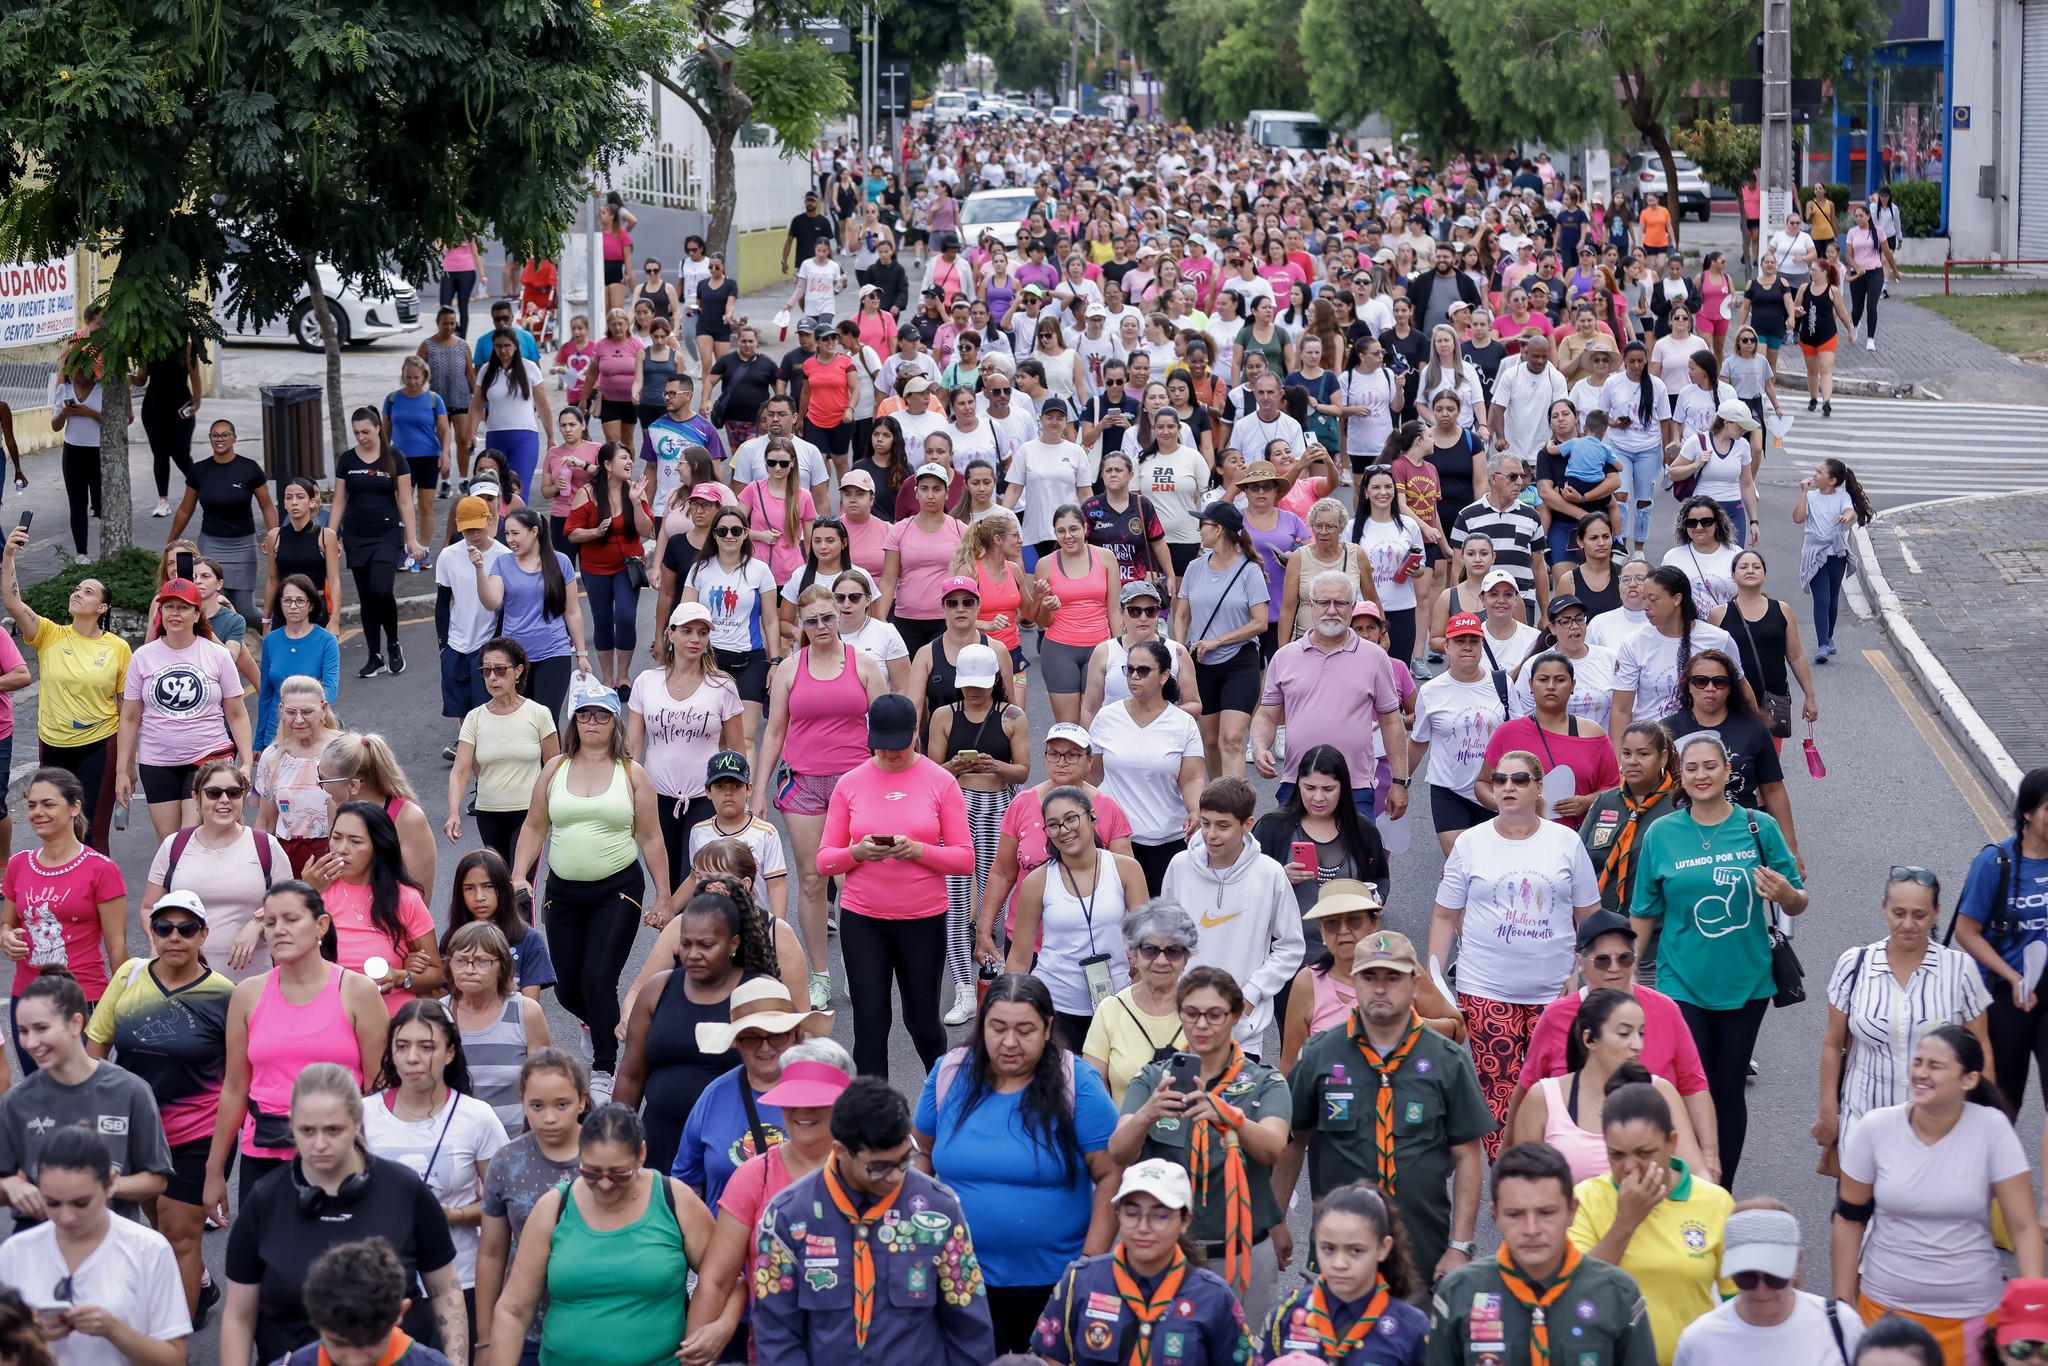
[2014,323]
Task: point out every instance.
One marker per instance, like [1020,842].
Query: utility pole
[1776,177]
[1074,53]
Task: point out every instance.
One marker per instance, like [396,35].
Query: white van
[949,106]
[1289,129]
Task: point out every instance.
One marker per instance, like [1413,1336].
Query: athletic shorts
[805,794]
[617,410]
[749,670]
[1772,340]
[1064,667]
[426,472]
[1232,685]
[1450,810]
[1825,348]
[173,782]
[615,272]
[186,1183]
[830,440]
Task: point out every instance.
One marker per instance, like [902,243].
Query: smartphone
[967,754]
[185,563]
[1305,854]
[1184,1073]
[27,516]
[52,1314]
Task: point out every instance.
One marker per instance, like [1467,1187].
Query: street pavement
[1895,790]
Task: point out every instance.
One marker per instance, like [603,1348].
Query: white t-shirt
[1592,688]
[1519,898]
[1792,253]
[822,281]
[1720,1337]
[1456,720]
[1525,398]
[979,444]
[1377,391]
[508,411]
[738,598]
[1610,629]
[470,623]
[761,839]
[1622,397]
[1175,482]
[132,1274]
[750,463]
[1647,665]
[1051,475]
[1387,545]
[1712,574]
[681,735]
[917,426]
[1141,767]
[881,640]
[442,1150]
[1506,654]
[1929,1248]
[1251,434]
[79,431]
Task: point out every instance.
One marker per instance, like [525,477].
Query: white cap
[688,612]
[1736,411]
[1494,576]
[932,469]
[1765,1240]
[1166,1182]
[181,901]
[975,668]
[1073,732]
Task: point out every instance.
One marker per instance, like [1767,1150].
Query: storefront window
[1912,112]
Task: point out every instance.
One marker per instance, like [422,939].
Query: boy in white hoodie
[1249,916]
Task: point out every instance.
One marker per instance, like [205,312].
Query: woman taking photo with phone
[610,521]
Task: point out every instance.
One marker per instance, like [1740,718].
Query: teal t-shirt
[1715,948]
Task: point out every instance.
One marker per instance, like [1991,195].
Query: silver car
[1644,174]
[359,319]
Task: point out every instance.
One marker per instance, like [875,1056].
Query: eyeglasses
[597,1176]
[1911,873]
[300,713]
[1139,670]
[1750,1280]
[497,670]
[1609,962]
[851,599]
[960,604]
[882,1171]
[730,533]
[1709,680]
[1211,1017]
[1516,779]
[1066,823]
[1332,604]
[1172,953]
[1694,522]
[1573,619]
[221,794]
[181,929]
[1159,1216]
[473,962]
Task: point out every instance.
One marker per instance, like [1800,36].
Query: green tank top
[616,1298]
[593,835]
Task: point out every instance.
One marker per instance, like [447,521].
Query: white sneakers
[964,1006]
[1870,343]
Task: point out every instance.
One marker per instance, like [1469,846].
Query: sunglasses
[1608,962]
[731,533]
[1910,873]
[1693,522]
[1709,680]
[2029,1349]
[498,670]
[597,1176]
[851,599]
[958,604]
[1139,670]
[1172,953]
[779,464]
[1133,610]
[1750,1280]
[995,393]
[1516,779]
[221,794]
[819,623]
[180,929]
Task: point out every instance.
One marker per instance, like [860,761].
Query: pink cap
[857,479]
[807,1085]
[708,493]
[959,583]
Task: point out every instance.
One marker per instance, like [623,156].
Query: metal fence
[669,177]
[26,372]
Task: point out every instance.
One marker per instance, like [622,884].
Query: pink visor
[807,1085]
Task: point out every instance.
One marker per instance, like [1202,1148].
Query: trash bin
[293,442]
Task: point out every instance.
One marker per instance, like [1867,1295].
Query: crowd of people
[1228,451]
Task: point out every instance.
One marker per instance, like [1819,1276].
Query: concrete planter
[1922,251]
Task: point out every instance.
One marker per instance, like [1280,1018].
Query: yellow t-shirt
[79,700]
[508,759]
[1675,1255]
[1126,1038]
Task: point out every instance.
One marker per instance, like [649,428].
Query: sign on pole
[38,301]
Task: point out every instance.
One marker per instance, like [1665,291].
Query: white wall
[1987,77]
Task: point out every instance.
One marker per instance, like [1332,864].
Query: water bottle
[120,815]
[1814,765]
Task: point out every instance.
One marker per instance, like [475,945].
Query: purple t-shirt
[1288,533]
[183,695]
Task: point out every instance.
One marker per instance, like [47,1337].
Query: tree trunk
[725,192]
[1660,140]
[337,420]
[117,504]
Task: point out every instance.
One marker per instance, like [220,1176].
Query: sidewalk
[1970,577]
[1919,355]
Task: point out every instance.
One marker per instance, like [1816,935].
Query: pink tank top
[1584,1150]
[1083,616]
[999,598]
[1334,999]
[828,721]
[284,1040]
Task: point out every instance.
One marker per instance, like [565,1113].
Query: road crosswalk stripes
[1908,450]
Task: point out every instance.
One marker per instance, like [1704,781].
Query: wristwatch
[1467,1249]
[1398,782]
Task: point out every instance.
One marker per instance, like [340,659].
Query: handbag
[636,573]
[1777,705]
[1788,974]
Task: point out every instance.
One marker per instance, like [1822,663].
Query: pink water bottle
[1814,765]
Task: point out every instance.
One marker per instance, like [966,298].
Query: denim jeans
[1827,597]
[1640,469]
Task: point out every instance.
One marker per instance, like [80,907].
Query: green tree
[1392,59]
[1029,56]
[1727,154]
[1218,59]
[930,35]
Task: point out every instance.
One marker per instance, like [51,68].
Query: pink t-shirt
[926,560]
[358,938]
[568,480]
[615,362]
[183,694]
[921,802]
[1589,755]
[765,513]
[575,362]
[59,910]
[759,1179]
[10,660]
[682,736]
[1332,697]
[866,543]
[1668,1049]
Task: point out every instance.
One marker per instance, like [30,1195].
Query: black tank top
[656,299]
[1453,465]
[1601,599]
[1761,643]
[677,1070]
[941,691]
[986,735]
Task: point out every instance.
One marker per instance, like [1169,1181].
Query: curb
[1947,696]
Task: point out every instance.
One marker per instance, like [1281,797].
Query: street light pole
[1776,177]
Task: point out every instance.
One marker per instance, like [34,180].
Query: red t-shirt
[607,554]
[59,910]
[1668,1049]
[826,389]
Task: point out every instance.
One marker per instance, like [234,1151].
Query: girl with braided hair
[1650,666]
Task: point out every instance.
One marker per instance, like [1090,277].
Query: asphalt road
[1896,792]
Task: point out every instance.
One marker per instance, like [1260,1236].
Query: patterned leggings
[963,895]
[1500,1033]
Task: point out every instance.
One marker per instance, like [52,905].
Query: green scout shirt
[1437,1105]
[1599,830]
[1715,948]
[1601,1320]
[1261,1092]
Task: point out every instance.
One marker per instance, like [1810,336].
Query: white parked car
[949,106]
[1064,114]
[360,319]
[999,211]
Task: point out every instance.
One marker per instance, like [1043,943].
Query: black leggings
[911,954]
[547,682]
[676,825]
[81,467]
[378,599]
[1727,1040]
[170,443]
[1013,1312]
[499,831]
[1864,292]
[2019,1039]
[90,764]
[1401,634]
[1154,858]
[590,927]
[456,287]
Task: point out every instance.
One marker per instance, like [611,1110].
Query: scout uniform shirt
[1259,1091]
[1397,1339]
[1085,1323]
[929,1306]
[1674,1255]
[1437,1105]
[1600,1320]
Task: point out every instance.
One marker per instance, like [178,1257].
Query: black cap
[1224,515]
[1603,921]
[1565,602]
[728,766]
[1054,404]
[892,722]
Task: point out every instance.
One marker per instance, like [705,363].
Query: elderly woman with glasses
[1140,1025]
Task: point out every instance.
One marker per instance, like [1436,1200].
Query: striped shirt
[1887,1021]
[495,1056]
[1517,537]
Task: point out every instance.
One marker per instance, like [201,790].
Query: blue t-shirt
[1029,1215]
[316,655]
[526,619]
[531,964]
[528,347]
[1586,458]
[413,421]
[2023,917]
[716,1137]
